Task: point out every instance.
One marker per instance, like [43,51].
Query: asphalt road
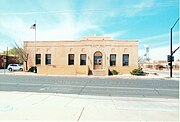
[92,86]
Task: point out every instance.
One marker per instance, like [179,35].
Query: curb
[84,76]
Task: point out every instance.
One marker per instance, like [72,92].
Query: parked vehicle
[15,67]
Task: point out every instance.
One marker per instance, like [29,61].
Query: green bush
[114,72]
[138,72]
[32,69]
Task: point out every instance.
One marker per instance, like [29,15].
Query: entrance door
[98,60]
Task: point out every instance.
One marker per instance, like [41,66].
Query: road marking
[42,89]
[45,88]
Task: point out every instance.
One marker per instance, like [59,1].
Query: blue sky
[148,21]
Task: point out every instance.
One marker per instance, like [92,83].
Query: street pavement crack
[41,100]
[80,114]
[157,91]
[83,88]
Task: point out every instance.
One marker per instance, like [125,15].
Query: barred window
[48,59]
[83,59]
[112,59]
[71,59]
[38,58]
[125,59]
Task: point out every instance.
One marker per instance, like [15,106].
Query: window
[112,59]
[83,59]
[48,59]
[38,58]
[71,59]
[125,59]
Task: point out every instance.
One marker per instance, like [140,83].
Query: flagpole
[35,48]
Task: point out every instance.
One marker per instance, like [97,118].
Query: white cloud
[157,37]
[161,53]
[68,29]
[115,35]
[139,7]
[13,28]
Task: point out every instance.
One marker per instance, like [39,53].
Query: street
[60,98]
[147,88]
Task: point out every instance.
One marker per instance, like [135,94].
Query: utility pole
[4,60]
[7,58]
[147,56]
[171,52]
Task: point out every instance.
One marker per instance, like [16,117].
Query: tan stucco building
[94,55]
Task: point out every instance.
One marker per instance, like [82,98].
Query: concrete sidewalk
[65,107]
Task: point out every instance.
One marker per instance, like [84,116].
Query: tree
[21,53]
[11,51]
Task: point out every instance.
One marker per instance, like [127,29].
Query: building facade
[10,59]
[95,55]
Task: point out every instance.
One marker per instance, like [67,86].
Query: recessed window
[83,59]
[48,59]
[125,59]
[112,59]
[38,58]
[71,59]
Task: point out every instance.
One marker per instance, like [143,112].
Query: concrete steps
[99,72]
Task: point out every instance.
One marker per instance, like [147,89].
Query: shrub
[32,69]
[138,72]
[114,72]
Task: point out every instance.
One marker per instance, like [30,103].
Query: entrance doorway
[98,60]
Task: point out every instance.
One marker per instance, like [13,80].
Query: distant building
[10,59]
[96,55]
[159,65]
